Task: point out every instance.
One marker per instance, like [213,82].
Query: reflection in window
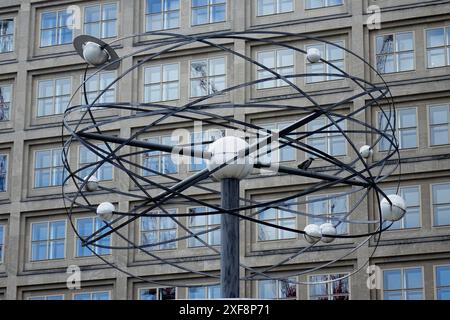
[158,161]
[208,11]
[162,14]
[406,128]
[48,168]
[48,240]
[438,47]
[267,7]
[328,138]
[199,223]
[6,35]
[443,283]
[56,28]
[439,118]
[395,52]
[3,172]
[412,216]
[278,217]
[333,207]
[85,228]
[157,294]
[277,289]
[279,61]
[207,76]
[159,229]
[100,21]
[336,290]
[5,102]
[53,96]
[330,53]
[204,292]
[441,204]
[403,284]
[198,140]
[161,83]
[89,160]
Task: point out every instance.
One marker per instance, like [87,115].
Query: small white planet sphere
[366,151]
[224,150]
[313,55]
[312,233]
[329,230]
[394,212]
[105,211]
[92,184]
[94,54]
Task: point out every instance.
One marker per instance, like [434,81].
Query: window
[100,21]
[104,295]
[199,139]
[438,47]
[443,283]
[403,284]
[158,161]
[6,35]
[328,138]
[412,216]
[267,7]
[2,242]
[202,223]
[97,84]
[208,11]
[3,172]
[48,240]
[279,61]
[439,125]
[161,83]
[51,297]
[330,53]
[406,128]
[157,294]
[162,15]
[278,217]
[276,289]
[86,227]
[207,76]
[332,207]
[159,229]
[441,204]
[5,102]
[56,28]
[395,52]
[336,290]
[315,4]
[48,168]
[90,160]
[205,292]
[53,96]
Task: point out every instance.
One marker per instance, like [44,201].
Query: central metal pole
[229,259]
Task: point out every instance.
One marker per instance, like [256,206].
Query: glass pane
[385,44]
[154,6]
[412,218]
[39,251]
[442,215]
[217,67]
[217,84]
[199,15]
[172,19]
[199,88]
[199,69]
[267,289]
[48,20]
[392,280]
[214,292]
[405,42]
[218,13]
[413,278]
[92,14]
[266,233]
[436,58]
[85,227]
[198,3]
[39,231]
[408,139]
[43,159]
[148,294]
[65,35]
[334,52]
[443,276]
[170,91]
[414,295]
[170,72]
[109,11]
[285,58]
[58,230]
[266,7]
[443,294]
[435,38]
[406,61]
[441,193]
[318,69]
[439,115]
[109,29]
[56,250]
[171,4]
[48,37]
[154,22]
[286,5]
[196,293]
[395,295]
[439,135]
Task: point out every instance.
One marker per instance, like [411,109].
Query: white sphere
[365,151]
[105,211]
[94,54]
[313,55]
[329,230]
[92,184]
[393,212]
[226,149]
[312,233]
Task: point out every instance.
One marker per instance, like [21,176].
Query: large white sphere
[393,212]
[94,54]
[226,149]
[329,230]
[105,211]
[365,151]
[313,55]
[92,184]
[312,233]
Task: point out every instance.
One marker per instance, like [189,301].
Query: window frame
[162,13]
[349,284]
[402,275]
[53,97]
[326,5]
[11,88]
[12,35]
[209,134]
[97,75]
[328,136]
[51,150]
[396,53]
[101,21]
[402,221]
[161,82]
[207,59]
[432,204]
[158,231]
[397,128]
[340,42]
[206,288]
[47,241]
[436,288]
[277,11]
[208,6]
[160,155]
[91,293]
[446,47]
[277,221]
[330,196]
[57,27]
[276,69]
[277,289]
[2,243]
[158,292]
[6,173]
[91,255]
[45,297]
[204,227]
[80,165]
[430,126]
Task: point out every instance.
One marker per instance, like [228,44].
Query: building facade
[39,70]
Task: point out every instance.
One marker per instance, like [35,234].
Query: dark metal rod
[229,262]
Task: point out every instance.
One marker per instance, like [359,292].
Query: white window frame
[51,168]
[327,68]
[6,172]
[430,126]
[398,129]
[402,275]
[278,219]
[2,243]
[395,53]
[277,8]
[102,21]
[162,83]
[58,40]
[97,76]
[208,7]
[326,5]
[279,83]
[160,155]
[330,198]
[46,297]
[446,47]
[54,96]
[163,13]
[9,103]
[330,286]
[433,204]
[208,76]
[328,136]
[48,240]
[158,292]
[91,293]
[98,158]
[402,221]
[207,135]
[278,288]
[12,35]
[436,288]
[205,287]
[93,248]
[159,230]
[203,227]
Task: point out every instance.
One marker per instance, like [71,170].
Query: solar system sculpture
[232,158]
